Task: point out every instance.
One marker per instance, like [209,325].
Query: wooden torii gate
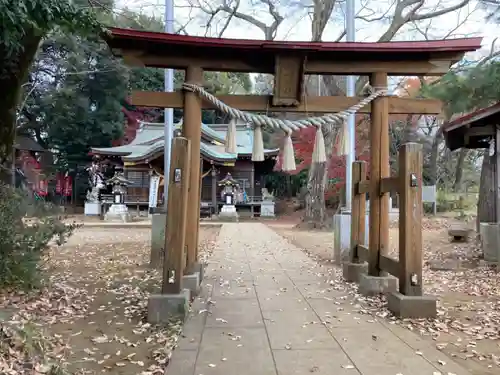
[289,62]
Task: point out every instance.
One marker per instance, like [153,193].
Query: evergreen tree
[23,25]
[76,88]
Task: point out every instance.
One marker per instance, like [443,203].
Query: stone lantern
[229,187]
[119,191]
[118,211]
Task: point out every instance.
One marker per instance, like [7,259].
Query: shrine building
[143,158]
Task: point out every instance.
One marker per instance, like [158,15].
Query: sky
[467,22]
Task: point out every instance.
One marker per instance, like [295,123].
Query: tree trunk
[459,170]
[13,72]
[486,205]
[289,193]
[315,212]
[410,130]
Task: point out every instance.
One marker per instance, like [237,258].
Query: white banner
[154,183]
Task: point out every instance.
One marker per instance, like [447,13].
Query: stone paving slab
[282,303]
[268,309]
[235,313]
[319,362]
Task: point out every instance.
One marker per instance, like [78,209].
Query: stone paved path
[272,312]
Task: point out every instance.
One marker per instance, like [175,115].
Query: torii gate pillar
[379,169]
[191,130]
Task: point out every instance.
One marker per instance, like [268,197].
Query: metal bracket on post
[414,279]
[177,175]
[413,180]
[171,279]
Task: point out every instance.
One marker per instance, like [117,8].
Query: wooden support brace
[191,129]
[252,189]
[363,187]
[200,182]
[390,265]
[363,253]
[309,104]
[175,232]
[358,213]
[379,170]
[410,219]
[389,185]
[214,191]
[497,176]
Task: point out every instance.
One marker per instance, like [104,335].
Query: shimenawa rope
[288,164]
[287,126]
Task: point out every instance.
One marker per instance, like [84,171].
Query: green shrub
[22,244]
[447,202]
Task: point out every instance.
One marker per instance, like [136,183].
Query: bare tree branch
[406,11]
[227,21]
[491,55]
[419,17]
[374,19]
[232,12]
[341,36]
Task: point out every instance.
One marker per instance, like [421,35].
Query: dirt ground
[468,325]
[94,310]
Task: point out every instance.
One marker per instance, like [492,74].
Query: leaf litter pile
[467,328]
[91,316]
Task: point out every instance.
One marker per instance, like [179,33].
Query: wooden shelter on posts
[476,130]
[289,62]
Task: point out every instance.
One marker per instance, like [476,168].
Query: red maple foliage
[412,85]
[303,143]
[132,119]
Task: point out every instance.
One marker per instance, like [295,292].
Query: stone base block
[446,265]
[267,209]
[119,213]
[92,209]
[373,285]
[352,271]
[200,268]
[342,236]
[191,282]
[161,307]
[412,306]
[158,224]
[121,218]
[490,240]
[485,263]
[229,218]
